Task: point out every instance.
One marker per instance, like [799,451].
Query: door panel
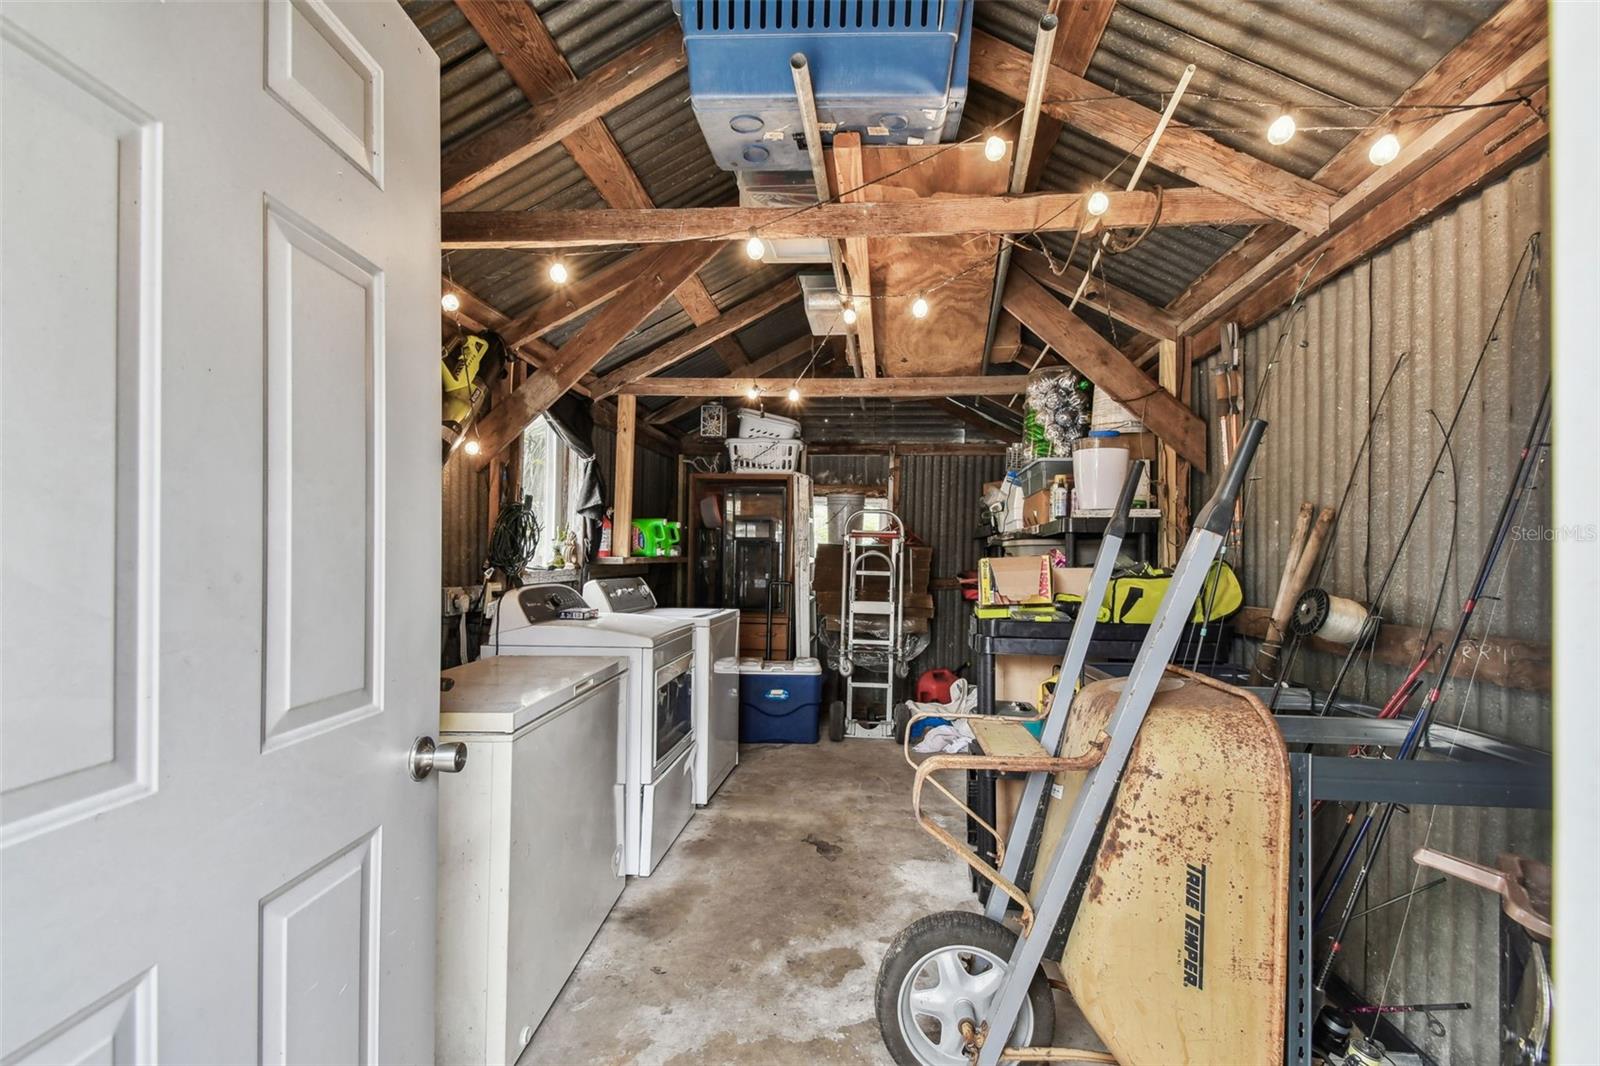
[324,358]
[219,501]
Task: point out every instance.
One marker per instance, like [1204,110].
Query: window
[549,477]
[827,522]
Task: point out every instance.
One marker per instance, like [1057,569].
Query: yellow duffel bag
[1135,598]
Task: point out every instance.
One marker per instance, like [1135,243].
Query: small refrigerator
[530,842]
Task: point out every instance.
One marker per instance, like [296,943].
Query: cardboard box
[1014,579]
[1017,677]
[1036,509]
[1029,579]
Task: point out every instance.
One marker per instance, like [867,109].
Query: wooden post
[1173,472]
[622,503]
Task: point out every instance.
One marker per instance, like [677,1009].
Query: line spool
[1318,613]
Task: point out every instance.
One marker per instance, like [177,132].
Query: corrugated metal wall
[466,520]
[938,499]
[1434,297]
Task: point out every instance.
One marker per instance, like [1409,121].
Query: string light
[755,248]
[472,446]
[450,302]
[754,392]
[558,272]
[849,313]
[1384,150]
[993,149]
[1281,130]
[1099,203]
[919,307]
[794,394]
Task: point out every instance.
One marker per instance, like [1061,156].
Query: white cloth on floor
[948,739]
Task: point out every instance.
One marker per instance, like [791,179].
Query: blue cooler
[779,702]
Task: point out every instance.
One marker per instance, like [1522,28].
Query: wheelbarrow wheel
[946,969]
[836,720]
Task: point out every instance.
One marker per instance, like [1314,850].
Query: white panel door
[218,532]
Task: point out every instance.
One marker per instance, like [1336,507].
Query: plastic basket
[763,454]
[754,423]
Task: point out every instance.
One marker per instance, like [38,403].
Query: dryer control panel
[620,595]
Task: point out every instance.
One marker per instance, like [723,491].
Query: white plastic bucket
[1098,474]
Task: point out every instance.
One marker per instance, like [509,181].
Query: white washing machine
[716,659]
[530,842]
[658,798]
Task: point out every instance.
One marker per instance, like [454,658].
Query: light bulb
[450,302]
[558,272]
[473,447]
[794,394]
[1384,150]
[919,308]
[1099,203]
[849,315]
[1281,130]
[753,392]
[993,149]
[755,248]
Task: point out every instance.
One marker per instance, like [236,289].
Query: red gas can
[933,686]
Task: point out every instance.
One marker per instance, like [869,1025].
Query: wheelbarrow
[1155,819]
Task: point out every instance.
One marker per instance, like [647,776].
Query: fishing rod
[1207,597]
[1287,663]
[1521,486]
[1530,258]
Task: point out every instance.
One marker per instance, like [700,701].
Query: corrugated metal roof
[1308,55]
[1305,55]
[1433,295]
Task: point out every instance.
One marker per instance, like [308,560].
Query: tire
[836,720]
[976,945]
[902,718]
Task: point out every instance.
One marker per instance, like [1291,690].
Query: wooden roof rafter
[1183,151]
[533,60]
[1462,72]
[943,216]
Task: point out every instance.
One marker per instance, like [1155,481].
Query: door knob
[426,757]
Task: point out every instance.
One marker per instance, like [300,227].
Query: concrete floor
[758,939]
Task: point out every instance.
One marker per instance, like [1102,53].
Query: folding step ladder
[871,655]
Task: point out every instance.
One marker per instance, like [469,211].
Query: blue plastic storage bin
[779,703]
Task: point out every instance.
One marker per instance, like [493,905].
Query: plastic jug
[650,536]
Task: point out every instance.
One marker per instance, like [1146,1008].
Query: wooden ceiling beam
[475,314]
[1094,357]
[1083,23]
[518,36]
[1422,153]
[684,345]
[582,294]
[898,388]
[848,180]
[620,317]
[482,158]
[771,363]
[1183,151]
[1460,73]
[941,217]
[1101,295]
[1502,145]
